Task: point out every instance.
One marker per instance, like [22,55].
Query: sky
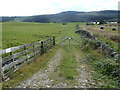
[39,7]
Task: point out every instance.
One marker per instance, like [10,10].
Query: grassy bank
[113,44]
[107,68]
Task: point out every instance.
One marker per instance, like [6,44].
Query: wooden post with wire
[53,40]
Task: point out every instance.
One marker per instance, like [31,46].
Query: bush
[106,65]
[101,27]
[64,23]
[113,29]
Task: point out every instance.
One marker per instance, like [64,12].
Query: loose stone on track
[41,78]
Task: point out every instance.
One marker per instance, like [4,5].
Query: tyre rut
[42,78]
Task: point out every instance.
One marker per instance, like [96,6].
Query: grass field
[19,33]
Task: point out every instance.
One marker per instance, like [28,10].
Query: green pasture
[19,33]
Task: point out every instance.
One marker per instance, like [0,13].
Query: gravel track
[49,77]
[85,78]
[41,79]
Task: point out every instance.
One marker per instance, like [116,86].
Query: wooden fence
[15,57]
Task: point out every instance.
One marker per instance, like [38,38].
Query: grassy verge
[107,69]
[104,35]
[68,65]
[28,70]
[111,43]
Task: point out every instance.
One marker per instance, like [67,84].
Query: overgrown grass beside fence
[101,56]
[15,57]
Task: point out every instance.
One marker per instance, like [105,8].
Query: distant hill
[67,16]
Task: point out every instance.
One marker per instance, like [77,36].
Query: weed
[68,65]
[107,66]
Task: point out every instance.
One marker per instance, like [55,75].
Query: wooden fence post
[1,71]
[25,48]
[34,50]
[53,40]
[42,48]
[11,53]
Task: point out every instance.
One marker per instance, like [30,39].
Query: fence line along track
[12,59]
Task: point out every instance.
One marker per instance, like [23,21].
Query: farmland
[19,33]
[65,64]
[106,35]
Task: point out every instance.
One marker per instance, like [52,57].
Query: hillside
[68,16]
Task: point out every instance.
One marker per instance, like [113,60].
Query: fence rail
[15,57]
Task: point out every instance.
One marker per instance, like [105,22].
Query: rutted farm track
[79,75]
[41,78]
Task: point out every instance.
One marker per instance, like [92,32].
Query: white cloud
[37,7]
